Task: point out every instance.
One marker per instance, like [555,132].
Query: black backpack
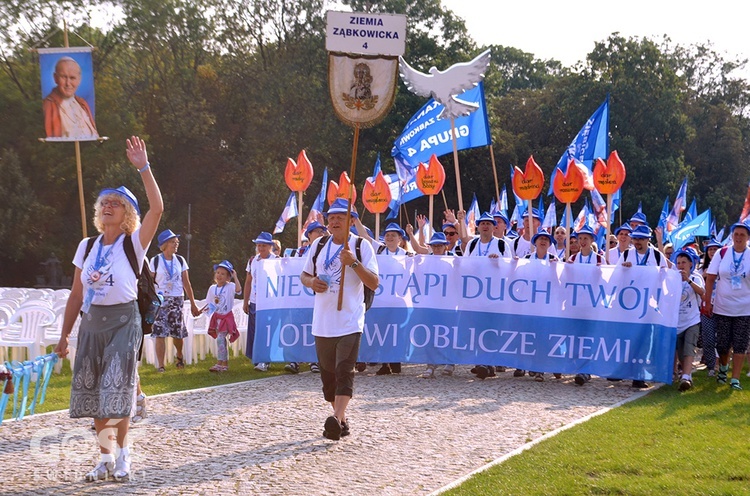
[657,256]
[149,300]
[369,293]
[500,245]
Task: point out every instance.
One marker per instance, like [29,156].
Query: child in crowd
[689,320]
[219,304]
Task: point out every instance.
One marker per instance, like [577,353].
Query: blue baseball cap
[226,264]
[264,238]
[165,236]
[123,191]
[486,217]
[340,206]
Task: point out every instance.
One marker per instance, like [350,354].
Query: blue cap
[486,217]
[534,213]
[641,232]
[313,226]
[123,191]
[739,224]
[165,236]
[586,229]
[438,238]
[512,234]
[544,234]
[624,227]
[449,224]
[639,217]
[713,243]
[225,264]
[688,252]
[340,206]
[499,215]
[393,227]
[264,238]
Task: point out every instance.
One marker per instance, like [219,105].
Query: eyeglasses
[450,233]
[111,203]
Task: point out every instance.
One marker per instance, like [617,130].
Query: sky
[567,30]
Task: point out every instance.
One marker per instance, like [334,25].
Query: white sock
[687,377]
[107,458]
[124,451]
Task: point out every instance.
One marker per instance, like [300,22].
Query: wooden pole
[445,202]
[299,219]
[609,216]
[568,222]
[377,226]
[455,163]
[350,195]
[494,172]
[80,189]
[429,230]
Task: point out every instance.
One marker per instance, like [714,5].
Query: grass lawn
[193,376]
[668,442]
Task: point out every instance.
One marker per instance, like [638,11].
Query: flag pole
[609,216]
[299,219]
[455,163]
[445,202]
[568,222]
[350,195]
[494,172]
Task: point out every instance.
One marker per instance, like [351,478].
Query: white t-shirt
[116,282]
[614,255]
[523,247]
[650,257]
[729,301]
[328,322]
[486,249]
[169,274]
[690,304]
[381,249]
[252,269]
[220,299]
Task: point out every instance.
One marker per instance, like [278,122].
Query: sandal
[161,370]
[179,363]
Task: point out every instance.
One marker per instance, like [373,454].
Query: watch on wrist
[355,264]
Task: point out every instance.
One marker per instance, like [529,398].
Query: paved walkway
[409,436]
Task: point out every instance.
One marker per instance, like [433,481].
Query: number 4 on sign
[364,46]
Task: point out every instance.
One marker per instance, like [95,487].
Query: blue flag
[289,212]
[425,134]
[692,212]
[591,142]
[320,201]
[662,218]
[699,226]
[673,219]
[503,206]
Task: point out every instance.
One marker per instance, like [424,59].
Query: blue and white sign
[611,321]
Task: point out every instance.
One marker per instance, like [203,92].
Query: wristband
[145,168]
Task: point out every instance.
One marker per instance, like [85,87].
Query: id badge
[736,282]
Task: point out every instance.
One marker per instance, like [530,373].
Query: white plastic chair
[240,317]
[33,321]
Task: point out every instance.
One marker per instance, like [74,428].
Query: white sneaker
[102,471]
[262,367]
[427,374]
[122,467]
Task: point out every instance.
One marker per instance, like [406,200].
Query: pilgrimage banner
[610,321]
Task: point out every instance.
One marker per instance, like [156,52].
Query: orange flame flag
[298,176]
[341,189]
[376,195]
[528,184]
[608,178]
[430,178]
[569,186]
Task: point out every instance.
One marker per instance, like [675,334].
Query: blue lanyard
[737,263]
[546,257]
[329,259]
[644,259]
[588,260]
[99,259]
[489,244]
[169,266]
[219,294]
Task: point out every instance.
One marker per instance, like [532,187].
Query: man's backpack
[369,293]
[474,242]
[149,300]
[657,256]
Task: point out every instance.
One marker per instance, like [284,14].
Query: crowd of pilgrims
[491,235]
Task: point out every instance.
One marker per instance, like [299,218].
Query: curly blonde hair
[130,222]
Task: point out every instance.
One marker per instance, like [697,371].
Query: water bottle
[153,309]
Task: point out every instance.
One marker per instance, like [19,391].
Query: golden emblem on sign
[360,95]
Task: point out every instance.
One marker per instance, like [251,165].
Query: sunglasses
[111,203]
[613,243]
[450,233]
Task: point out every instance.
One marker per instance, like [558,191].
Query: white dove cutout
[445,86]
